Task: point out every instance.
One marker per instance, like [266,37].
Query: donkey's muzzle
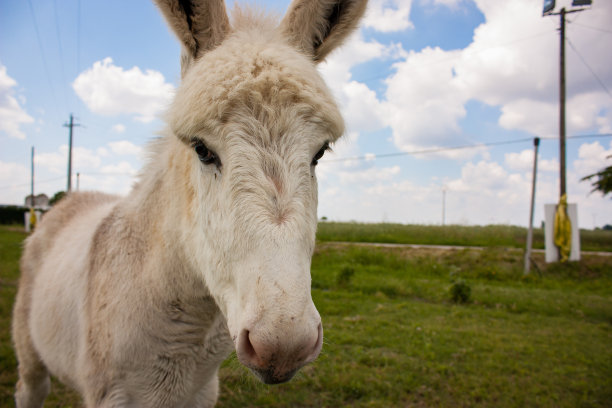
[275,358]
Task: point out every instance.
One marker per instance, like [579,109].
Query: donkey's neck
[157,211]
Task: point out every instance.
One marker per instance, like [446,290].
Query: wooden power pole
[527,266]
[32,181]
[548,7]
[562,183]
[70,125]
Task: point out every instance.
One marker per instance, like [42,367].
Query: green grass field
[394,337]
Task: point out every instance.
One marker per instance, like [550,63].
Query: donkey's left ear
[319,26]
[200,25]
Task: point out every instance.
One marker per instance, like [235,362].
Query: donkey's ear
[200,25]
[319,26]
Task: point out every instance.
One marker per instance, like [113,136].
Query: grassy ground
[394,337]
[490,235]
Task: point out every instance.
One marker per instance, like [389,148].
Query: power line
[364,157]
[463,147]
[589,67]
[109,174]
[38,182]
[78,38]
[432,150]
[590,136]
[42,52]
[60,52]
[603,30]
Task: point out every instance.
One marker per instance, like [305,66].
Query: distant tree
[56,197]
[603,180]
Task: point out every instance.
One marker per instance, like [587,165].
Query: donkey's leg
[33,384]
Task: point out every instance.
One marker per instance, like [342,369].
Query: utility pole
[562,228]
[32,215]
[443,205]
[70,125]
[549,5]
[562,184]
[32,181]
[536,144]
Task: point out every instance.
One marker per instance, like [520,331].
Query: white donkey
[136,301]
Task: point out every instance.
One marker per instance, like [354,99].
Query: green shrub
[345,276]
[12,214]
[460,291]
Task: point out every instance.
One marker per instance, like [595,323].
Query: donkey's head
[254,117]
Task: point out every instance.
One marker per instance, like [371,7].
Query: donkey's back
[53,269]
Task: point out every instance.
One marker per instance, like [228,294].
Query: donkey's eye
[206,155]
[320,153]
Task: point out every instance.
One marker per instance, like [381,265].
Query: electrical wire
[28,183]
[364,157]
[429,151]
[42,53]
[463,147]
[78,37]
[78,45]
[589,67]
[597,135]
[60,52]
[603,30]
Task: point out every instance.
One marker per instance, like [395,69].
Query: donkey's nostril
[319,343]
[309,354]
[245,347]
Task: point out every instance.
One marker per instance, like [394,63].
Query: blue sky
[419,75]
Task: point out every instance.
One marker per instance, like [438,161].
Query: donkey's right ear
[200,25]
[319,26]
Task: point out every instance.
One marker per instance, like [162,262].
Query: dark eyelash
[205,155]
[320,153]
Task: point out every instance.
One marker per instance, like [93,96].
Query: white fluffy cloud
[523,161]
[12,114]
[388,15]
[512,64]
[482,176]
[424,99]
[447,3]
[15,182]
[369,175]
[83,159]
[121,168]
[592,157]
[110,90]
[118,128]
[483,192]
[125,147]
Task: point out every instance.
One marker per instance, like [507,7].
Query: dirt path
[448,247]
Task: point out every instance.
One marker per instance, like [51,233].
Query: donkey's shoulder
[71,206]
[63,214]
[60,216]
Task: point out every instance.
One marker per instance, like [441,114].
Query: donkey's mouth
[271,377]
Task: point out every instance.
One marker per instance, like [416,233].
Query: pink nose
[275,358]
